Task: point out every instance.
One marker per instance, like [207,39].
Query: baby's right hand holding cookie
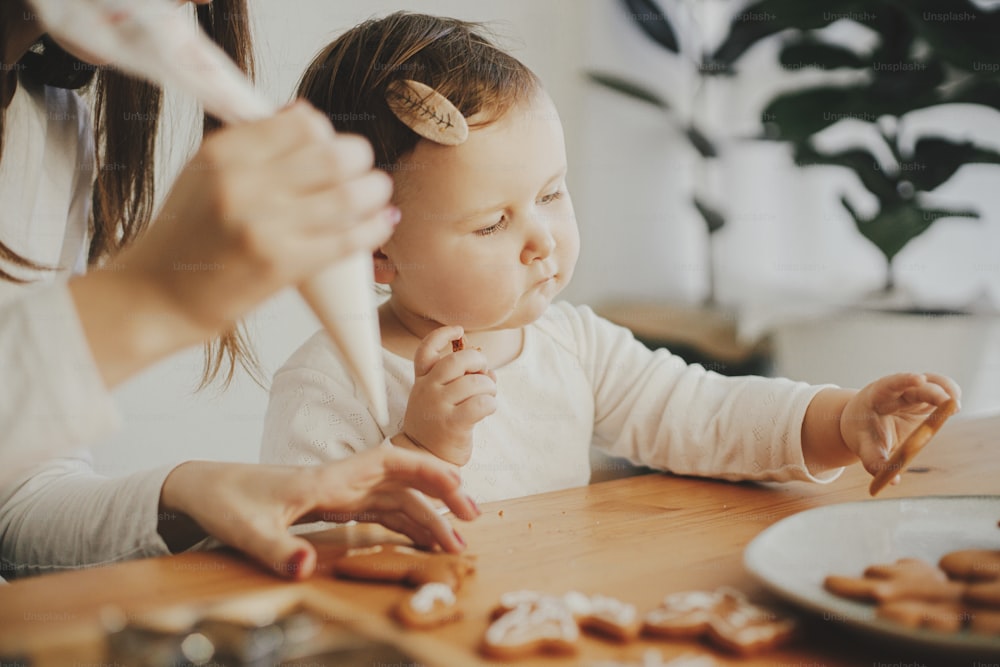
[452,392]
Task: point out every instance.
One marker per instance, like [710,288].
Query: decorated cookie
[972,565]
[429,606]
[906,579]
[595,614]
[545,625]
[403,564]
[725,617]
[608,617]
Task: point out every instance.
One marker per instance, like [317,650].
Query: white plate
[793,556]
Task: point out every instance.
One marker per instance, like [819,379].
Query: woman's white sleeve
[52,398]
[61,516]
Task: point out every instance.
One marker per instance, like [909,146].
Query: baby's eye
[551,197]
[493,229]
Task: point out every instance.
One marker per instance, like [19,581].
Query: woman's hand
[250,507]
[882,414]
[261,206]
[452,392]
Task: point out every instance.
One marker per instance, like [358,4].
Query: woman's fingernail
[458,537]
[474,506]
[393,215]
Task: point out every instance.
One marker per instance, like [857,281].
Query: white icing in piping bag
[153,40]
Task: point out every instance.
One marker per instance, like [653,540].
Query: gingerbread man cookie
[725,617]
[595,614]
[544,625]
[944,616]
[906,579]
[972,565]
[429,606]
[398,563]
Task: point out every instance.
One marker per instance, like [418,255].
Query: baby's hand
[882,415]
[452,392]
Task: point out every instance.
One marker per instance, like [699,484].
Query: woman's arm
[260,207]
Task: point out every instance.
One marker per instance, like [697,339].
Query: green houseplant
[928,53]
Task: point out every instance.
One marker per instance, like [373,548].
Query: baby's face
[488,236]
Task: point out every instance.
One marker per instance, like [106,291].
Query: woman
[263,206]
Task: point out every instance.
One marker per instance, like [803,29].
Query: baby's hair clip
[427,112]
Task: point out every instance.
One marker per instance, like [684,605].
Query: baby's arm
[844,425]
[452,392]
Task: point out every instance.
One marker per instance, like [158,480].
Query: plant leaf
[935,161]
[911,85]
[628,88]
[858,160]
[653,21]
[811,52]
[799,114]
[976,91]
[957,30]
[893,227]
[714,220]
[767,17]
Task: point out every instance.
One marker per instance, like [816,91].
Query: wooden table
[637,538]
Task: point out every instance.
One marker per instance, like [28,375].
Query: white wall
[165,421]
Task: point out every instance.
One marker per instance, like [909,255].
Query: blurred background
[762,187]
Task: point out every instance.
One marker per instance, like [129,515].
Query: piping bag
[153,40]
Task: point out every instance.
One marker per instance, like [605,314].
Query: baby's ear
[385,270]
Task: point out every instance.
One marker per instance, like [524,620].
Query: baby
[487,240]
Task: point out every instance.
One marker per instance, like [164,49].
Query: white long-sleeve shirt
[579,380]
[56,513]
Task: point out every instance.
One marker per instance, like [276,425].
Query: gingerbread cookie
[984,594]
[429,606]
[944,616]
[725,617]
[403,564]
[595,614]
[905,453]
[906,579]
[608,617]
[545,625]
[972,565]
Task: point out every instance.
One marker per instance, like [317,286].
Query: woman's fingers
[335,210]
[258,142]
[326,164]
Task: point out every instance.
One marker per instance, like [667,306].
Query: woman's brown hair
[347,80]
[126,120]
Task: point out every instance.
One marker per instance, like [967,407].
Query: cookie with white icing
[429,606]
[724,617]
